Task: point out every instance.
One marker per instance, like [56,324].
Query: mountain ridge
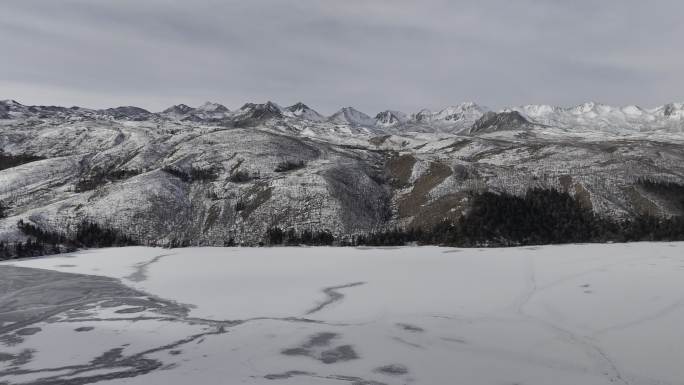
[457,118]
[213,174]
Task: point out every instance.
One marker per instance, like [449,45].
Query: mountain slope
[210,175]
[351,116]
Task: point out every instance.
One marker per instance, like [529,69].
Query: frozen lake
[573,314]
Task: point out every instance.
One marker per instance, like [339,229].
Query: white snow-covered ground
[573,314]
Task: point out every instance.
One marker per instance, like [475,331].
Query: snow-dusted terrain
[359,173]
[562,315]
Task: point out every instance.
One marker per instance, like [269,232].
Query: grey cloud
[374,54]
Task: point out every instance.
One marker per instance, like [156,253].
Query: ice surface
[574,314]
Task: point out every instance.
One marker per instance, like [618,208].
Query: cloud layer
[374,54]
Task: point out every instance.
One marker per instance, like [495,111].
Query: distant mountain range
[209,173]
[593,116]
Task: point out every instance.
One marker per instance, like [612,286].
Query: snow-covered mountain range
[588,116]
[210,173]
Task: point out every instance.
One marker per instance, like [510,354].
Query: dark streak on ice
[286,375]
[294,373]
[30,296]
[317,348]
[392,369]
[333,296]
[28,331]
[411,328]
[140,274]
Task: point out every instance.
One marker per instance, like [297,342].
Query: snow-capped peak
[502,121]
[596,116]
[460,112]
[260,111]
[670,110]
[349,115]
[390,118]
[212,107]
[11,102]
[591,107]
[455,119]
[178,109]
[632,110]
[127,113]
[536,110]
[9,105]
[301,110]
[422,116]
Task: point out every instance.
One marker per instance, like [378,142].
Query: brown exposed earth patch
[412,203]
[447,207]
[400,169]
[640,203]
[583,196]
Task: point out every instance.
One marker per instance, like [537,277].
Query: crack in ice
[333,296]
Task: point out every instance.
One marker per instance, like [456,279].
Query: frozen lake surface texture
[553,315]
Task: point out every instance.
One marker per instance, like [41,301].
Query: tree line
[671,191]
[275,236]
[195,174]
[289,165]
[99,178]
[42,242]
[9,160]
[539,217]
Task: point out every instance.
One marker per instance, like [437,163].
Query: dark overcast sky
[372,54]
